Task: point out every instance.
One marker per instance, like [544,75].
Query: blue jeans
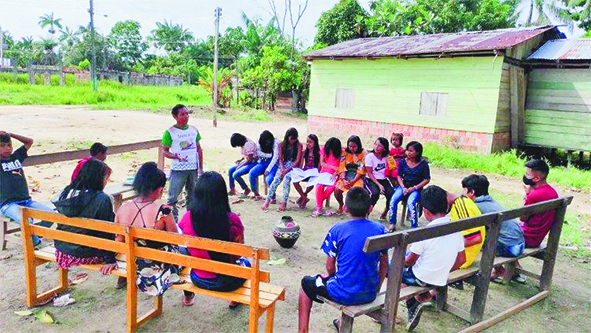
[180,179]
[509,251]
[411,204]
[236,173]
[258,170]
[13,212]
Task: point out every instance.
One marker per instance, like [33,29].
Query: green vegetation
[507,163]
[111,95]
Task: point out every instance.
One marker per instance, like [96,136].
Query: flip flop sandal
[187,301]
[336,325]
[498,280]
[328,213]
[316,213]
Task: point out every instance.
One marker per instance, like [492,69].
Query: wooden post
[393,287]
[62,81]
[270,318]
[253,317]
[482,280]
[160,158]
[131,277]
[552,246]
[441,301]
[518,86]
[31,75]
[346,323]
[569,158]
[29,251]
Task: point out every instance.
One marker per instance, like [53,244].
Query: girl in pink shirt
[210,217]
[330,158]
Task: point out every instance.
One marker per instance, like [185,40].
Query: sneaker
[459,285]
[518,278]
[414,315]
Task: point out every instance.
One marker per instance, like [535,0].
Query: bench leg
[3,231]
[441,301]
[156,311]
[253,319]
[270,318]
[346,323]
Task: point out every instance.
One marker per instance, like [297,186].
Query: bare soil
[101,308]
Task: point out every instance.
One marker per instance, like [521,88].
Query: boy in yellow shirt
[462,207]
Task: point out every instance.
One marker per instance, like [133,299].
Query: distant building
[467,89]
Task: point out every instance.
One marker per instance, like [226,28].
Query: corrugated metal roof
[430,44]
[564,49]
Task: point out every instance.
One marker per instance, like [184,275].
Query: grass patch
[110,95]
[507,163]
[252,115]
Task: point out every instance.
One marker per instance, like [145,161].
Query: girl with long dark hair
[290,155]
[351,169]
[330,157]
[376,169]
[84,197]
[267,154]
[311,161]
[210,217]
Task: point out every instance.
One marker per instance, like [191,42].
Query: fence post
[394,281]
[552,246]
[160,158]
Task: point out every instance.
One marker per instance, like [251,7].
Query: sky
[21,17]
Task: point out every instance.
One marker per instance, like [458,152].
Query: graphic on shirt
[186,145]
[12,166]
[380,166]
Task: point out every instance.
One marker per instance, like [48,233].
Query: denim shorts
[409,278]
[509,251]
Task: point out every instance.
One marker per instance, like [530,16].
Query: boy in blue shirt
[359,275]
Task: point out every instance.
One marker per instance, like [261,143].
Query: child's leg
[298,188]
[388,192]
[374,192]
[396,196]
[411,204]
[338,194]
[272,190]
[304,308]
[319,197]
[238,173]
[253,176]
[13,212]
[286,187]
[231,177]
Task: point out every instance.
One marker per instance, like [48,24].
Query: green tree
[342,22]
[126,41]
[170,37]
[51,21]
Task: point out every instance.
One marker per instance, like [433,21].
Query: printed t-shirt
[249,149]
[510,233]
[413,176]
[378,165]
[236,236]
[436,255]
[537,226]
[352,165]
[463,208]
[356,280]
[13,184]
[182,141]
[79,166]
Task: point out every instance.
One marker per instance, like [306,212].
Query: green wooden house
[465,89]
[558,105]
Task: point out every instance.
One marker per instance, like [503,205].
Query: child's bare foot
[232,192]
[282,207]
[265,206]
[304,202]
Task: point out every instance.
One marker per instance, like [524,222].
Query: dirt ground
[101,308]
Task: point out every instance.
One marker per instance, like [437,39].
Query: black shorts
[315,286]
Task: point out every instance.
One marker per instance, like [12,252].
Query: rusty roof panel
[564,49]
[429,44]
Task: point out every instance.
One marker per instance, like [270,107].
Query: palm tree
[171,37]
[69,37]
[51,21]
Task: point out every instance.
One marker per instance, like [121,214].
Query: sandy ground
[101,308]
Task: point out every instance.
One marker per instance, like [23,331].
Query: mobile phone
[164,210]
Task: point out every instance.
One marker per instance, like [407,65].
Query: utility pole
[217,14]
[93,79]
[1,47]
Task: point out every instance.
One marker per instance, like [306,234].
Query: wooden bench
[257,293]
[384,307]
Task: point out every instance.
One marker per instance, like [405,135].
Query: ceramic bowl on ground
[286,232]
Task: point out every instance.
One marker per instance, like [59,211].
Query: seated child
[462,207]
[311,161]
[353,276]
[351,169]
[510,243]
[330,158]
[244,164]
[430,261]
[14,191]
[98,151]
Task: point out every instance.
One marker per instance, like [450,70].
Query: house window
[344,98]
[433,104]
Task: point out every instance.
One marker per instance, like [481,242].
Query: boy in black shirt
[14,191]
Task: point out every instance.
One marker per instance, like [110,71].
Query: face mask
[528,181]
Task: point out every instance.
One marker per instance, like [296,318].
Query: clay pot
[286,232]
